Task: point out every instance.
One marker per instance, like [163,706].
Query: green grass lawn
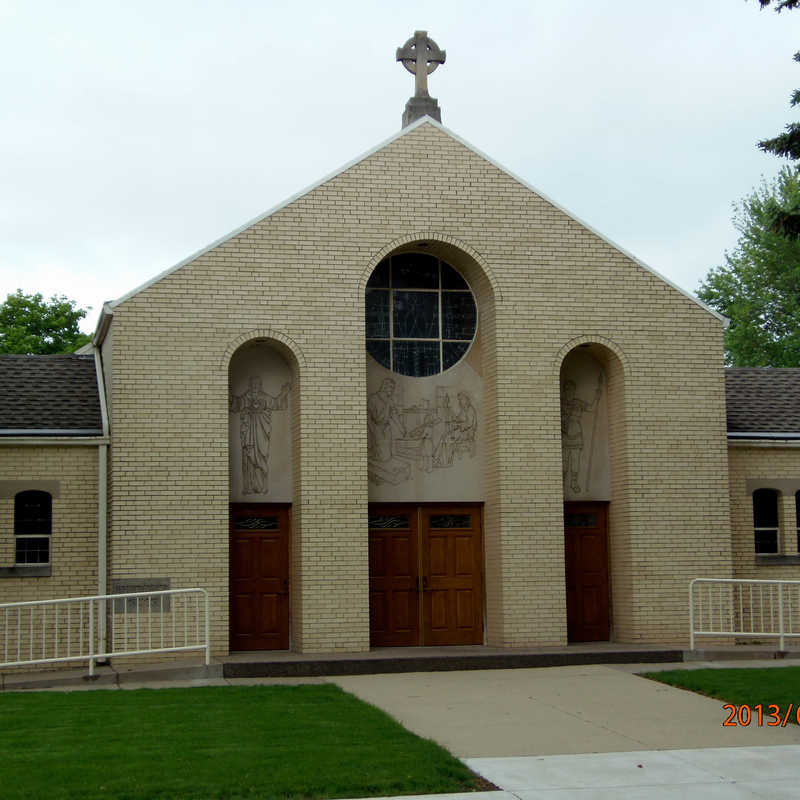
[779,686]
[213,742]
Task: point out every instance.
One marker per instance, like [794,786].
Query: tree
[786,144]
[758,286]
[29,324]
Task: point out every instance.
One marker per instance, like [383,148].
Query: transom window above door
[421,316]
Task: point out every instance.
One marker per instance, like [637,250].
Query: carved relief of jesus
[255,409]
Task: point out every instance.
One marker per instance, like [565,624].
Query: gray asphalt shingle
[45,393]
[762,400]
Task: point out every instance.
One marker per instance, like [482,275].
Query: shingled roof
[49,395]
[763,401]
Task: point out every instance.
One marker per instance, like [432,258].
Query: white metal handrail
[758,609]
[73,629]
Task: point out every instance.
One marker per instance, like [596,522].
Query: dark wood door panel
[586,571]
[452,566]
[426,568]
[259,577]
[393,584]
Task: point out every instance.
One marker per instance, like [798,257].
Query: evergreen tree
[788,143]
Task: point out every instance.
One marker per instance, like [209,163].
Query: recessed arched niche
[585,448]
[425,393]
[260,425]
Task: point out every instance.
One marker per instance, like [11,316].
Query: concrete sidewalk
[558,710]
[590,732]
[594,733]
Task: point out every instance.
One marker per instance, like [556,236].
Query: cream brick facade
[767,465]
[544,284]
[73,546]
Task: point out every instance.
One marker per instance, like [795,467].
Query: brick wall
[73,546]
[770,465]
[543,284]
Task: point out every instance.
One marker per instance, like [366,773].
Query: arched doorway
[426,448]
[591,387]
[260,492]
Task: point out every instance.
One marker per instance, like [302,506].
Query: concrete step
[305,668]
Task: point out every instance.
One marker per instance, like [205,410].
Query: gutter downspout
[102,507]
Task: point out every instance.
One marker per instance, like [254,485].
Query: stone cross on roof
[420,55]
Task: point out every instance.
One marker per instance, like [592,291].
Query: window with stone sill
[33,526]
[421,316]
[765,521]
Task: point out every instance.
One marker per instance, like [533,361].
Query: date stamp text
[760,715]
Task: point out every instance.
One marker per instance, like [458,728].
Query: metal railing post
[91,638]
[208,636]
[780,615]
[691,615]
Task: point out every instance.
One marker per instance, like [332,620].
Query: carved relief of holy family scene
[422,436]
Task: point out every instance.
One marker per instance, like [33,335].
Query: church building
[416,404]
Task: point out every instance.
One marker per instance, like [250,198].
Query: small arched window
[765,521]
[33,525]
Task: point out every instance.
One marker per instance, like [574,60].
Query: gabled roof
[762,402]
[108,307]
[54,395]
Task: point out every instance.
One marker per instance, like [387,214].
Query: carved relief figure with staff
[572,439]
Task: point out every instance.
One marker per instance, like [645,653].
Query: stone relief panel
[259,429]
[586,463]
[425,435]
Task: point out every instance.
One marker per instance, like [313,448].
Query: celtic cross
[420,56]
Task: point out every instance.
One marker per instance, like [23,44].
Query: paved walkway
[588,732]
[593,733]
[557,710]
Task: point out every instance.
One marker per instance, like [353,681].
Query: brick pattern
[543,284]
[779,465]
[73,545]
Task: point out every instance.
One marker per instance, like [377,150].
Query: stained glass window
[451,521]
[386,521]
[256,524]
[421,316]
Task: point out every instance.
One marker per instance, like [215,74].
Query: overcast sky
[134,133]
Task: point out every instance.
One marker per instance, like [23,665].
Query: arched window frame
[33,527]
[421,315]
[766,521]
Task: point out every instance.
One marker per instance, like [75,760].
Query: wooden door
[425,575]
[259,577]
[393,576]
[586,566]
[452,564]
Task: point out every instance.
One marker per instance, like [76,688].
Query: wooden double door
[425,575]
[586,567]
[259,576]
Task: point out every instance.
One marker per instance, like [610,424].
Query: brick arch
[433,236]
[283,343]
[617,367]
[590,338]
